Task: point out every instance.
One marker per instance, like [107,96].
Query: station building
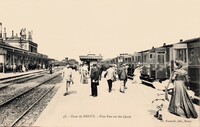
[90,59]
[20,51]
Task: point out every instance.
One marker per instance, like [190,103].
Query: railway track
[18,78]
[24,76]
[25,101]
[8,91]
[21,80]
[20,75]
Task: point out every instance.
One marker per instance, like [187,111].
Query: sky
[69,28]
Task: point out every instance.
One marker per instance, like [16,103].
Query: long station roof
[9,48]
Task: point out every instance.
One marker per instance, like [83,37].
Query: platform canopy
[91,57]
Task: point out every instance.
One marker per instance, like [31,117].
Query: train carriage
[194,64]
[158,63]
[161,64]
[145,72]
[154,65]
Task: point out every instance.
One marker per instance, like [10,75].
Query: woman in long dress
[84,73]
[137,73]
[180,103]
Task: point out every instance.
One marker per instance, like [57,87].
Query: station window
[161,59]
[151,56]
[145,59]
[181,55]
[194,56]
[136,59]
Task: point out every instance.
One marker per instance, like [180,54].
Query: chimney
[164,44]
[30,35]
[25,33]
[0,30]
[5,34]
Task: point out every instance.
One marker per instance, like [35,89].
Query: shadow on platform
[70,92]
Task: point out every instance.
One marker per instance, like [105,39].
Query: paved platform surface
[115,109]
[11,74]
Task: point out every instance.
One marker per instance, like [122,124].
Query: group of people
[121,73]
[180,102]
[18,68]
[111,74]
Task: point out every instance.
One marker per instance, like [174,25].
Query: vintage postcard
[100,63]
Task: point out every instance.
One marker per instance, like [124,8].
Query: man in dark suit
[94,80]
[122,77]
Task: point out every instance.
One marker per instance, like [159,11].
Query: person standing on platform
[43,66]
[100,71]
[23,68]
[84,73]
[180,103]
[94,80]
[137,74]
[14,68]
[50,68]
[126,77]
[110,76]
[80,72]
[67,78]
[122,77]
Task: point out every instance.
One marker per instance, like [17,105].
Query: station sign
[180,46]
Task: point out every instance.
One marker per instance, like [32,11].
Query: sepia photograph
[99,63]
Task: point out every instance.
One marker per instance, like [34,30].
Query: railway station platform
[108,109]
[11,74]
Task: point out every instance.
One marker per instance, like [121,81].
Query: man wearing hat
[122,77]
[110,76]
[67,76]
[94,80]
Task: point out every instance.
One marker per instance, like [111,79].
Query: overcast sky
[69,28]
